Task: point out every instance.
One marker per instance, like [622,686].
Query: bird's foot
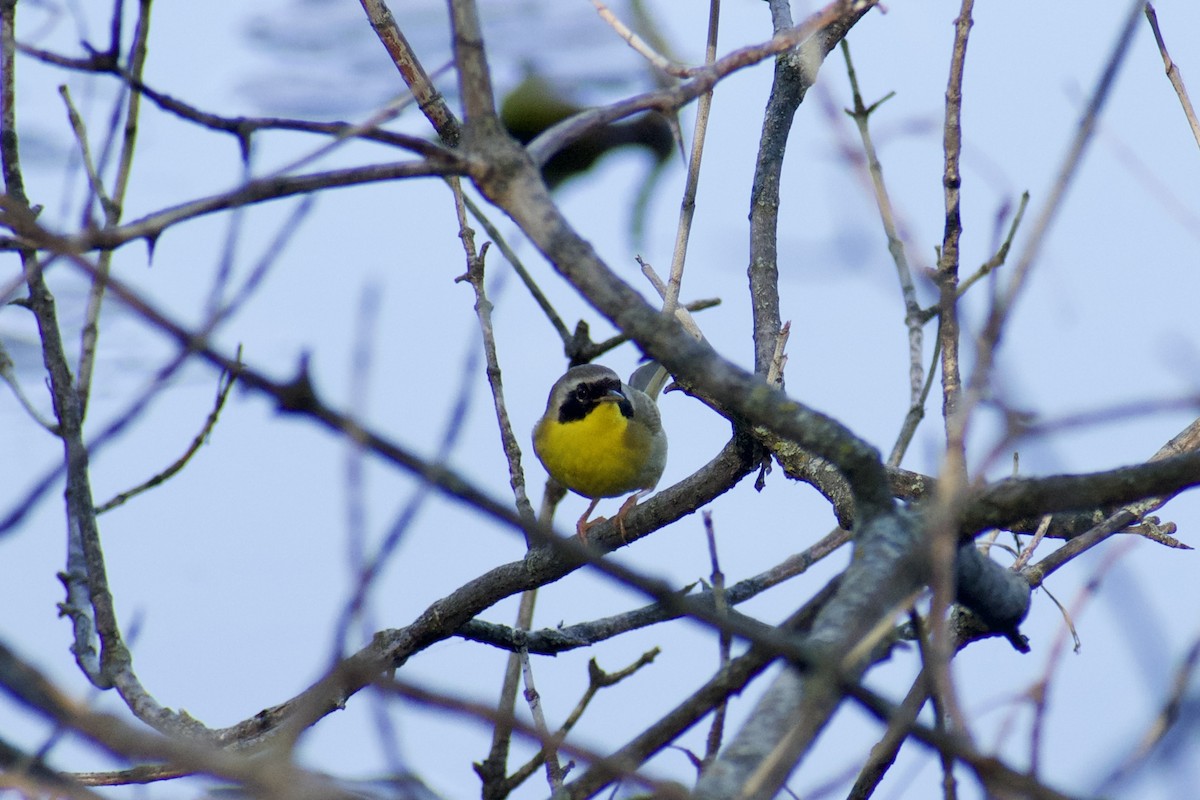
[626,507]
[584,525]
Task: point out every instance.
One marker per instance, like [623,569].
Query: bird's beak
[613,396]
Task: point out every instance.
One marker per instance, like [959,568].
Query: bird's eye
[593,391]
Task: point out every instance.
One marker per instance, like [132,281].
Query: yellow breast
[601,455]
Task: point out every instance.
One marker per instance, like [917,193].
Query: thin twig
[1001,254]
[986,268]
[1173,73]
[1027,552]
[270,256]
[883,753]
[518,266]
[1151,528]
[681,312]
[152,226]
[598,679]
[9,376]
[483,311]
[687,204]
[589,351]
[920,379]
[639,44]
[950,790]
[85,153]
[224,385]
[794,73]
[549,754]
[861,115]
[724,642]
[241,128]
[908,428]
[429,99]
[112,206]
[952,480]
[493,770]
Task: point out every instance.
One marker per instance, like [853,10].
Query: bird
[535,106]
[600,437]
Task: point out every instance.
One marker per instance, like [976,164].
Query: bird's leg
[582,526]
[626,507]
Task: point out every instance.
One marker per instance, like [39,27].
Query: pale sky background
[228,579]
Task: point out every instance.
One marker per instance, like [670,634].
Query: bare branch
[1173,74]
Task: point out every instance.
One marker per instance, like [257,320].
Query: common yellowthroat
[601,438]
